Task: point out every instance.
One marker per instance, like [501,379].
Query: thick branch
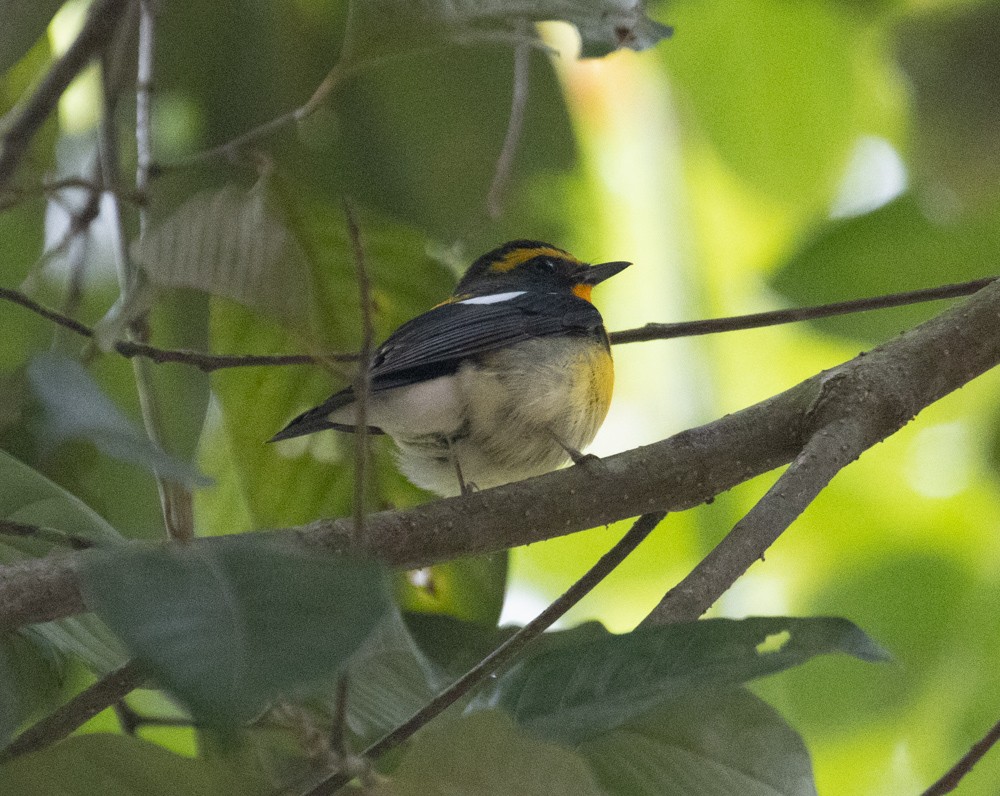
[888,386]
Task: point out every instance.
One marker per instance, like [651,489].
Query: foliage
[767,154]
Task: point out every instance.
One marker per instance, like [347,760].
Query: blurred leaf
[231,627]
[388,681]
[728,744]
[389,26]
[894,248]
[76,408]
[455,646]
[486,755]
[468,588]
[951,59]
[301,479]
[30,680]
[24,23]
[28,497]
[90,764]
[574,691]
[230,243]
[773,85]
[180,320]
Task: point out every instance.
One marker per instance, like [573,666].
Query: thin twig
[44,534]
[97,31]
[515,125]
[362,381]
[954,775]
[507,651]
[661,331]
[668,331]
[80,709]
[203,361]
[231,148]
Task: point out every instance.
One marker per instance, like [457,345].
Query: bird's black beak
[595,274]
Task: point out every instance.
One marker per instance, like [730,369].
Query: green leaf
[24,23]
[774,86]
[728,744]
[455,646]
[30,680]
[388,681]
[468,588]
[485,754]
[90,764]
[230,243]
[301,479]
[28,497]
[894,248]
[950,58]
[76,408]
[230,627]
[579,688]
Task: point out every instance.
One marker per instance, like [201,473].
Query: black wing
[433,344]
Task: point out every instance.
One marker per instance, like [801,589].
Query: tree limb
[888,386]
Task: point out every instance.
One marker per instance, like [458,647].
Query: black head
[533,265]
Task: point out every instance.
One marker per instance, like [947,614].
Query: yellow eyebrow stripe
[513,259]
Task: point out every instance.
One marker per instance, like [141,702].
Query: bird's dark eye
[547,265]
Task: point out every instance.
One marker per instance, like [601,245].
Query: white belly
[504,418]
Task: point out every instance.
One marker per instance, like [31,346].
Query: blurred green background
[770,154]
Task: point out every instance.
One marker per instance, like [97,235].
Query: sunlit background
[770,154]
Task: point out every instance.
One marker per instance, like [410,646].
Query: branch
[507,651]
[98,30]
[954,775]
[888,385]
[668,331]
[825,454]
[74,714]
[651,331]
[204,362]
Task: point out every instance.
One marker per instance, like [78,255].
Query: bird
[509,378]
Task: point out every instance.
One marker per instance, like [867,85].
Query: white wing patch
[494,298]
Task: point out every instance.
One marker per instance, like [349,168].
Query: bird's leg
[577,456]
[464,487]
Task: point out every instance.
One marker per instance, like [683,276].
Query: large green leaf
[90,764]
[28,497]
[774,86]
[24,23]
[468,588]
[727,744]
[30,680]
[894,248]
[950,56]
[230,628]
[77,408]
[230,243]
[581,687]
[486,755]
[301,479]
